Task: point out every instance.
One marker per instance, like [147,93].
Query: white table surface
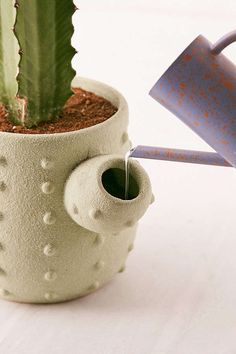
[178,293]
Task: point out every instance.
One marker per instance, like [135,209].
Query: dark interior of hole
[113,181]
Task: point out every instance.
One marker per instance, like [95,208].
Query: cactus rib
[35,58]
[44,29]
[9,58]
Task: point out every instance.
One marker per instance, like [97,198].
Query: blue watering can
[200,89]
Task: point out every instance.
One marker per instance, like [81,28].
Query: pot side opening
[114,181]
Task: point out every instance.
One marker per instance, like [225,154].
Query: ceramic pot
[64,230]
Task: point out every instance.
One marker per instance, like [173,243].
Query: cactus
[35,58]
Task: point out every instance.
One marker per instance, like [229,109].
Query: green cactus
[35,58]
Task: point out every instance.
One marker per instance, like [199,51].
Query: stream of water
[127,160]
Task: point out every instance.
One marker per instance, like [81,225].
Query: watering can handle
[223,42]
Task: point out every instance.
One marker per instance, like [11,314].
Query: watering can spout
[179,155]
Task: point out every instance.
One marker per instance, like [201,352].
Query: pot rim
[81,82]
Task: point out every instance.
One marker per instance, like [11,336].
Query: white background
[178,294]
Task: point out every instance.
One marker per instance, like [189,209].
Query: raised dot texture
[50,296]
[122,269]
[75,210]
[130,223]
[95,213]
[99,265]
[4,292]
[49,250]
[124,138]
[49,218]
[3,161]
[3,186]
[152,199]
[130,248]
[50,275]
[2,272]
[94,286]
[99,239]
[46,164]
[48,187]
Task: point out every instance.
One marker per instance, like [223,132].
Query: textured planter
[63,233]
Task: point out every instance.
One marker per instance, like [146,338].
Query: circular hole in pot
[113,181]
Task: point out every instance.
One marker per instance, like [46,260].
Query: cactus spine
[35,58]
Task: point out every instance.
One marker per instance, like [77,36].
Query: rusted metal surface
[179,155]
[200,88]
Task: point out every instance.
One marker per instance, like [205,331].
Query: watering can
[200,89]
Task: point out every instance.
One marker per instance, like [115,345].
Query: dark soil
[82,110]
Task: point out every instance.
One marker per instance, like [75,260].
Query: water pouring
[69,209]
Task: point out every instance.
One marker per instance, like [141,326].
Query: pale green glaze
[45,256]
